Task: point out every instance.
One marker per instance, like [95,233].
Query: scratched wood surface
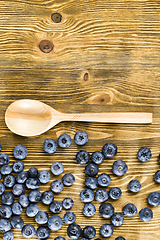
[104,56]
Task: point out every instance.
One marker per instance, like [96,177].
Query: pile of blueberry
[16,180]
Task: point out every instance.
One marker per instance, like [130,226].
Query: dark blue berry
[28,231]
[81,138]
[104,180]
[20,152]
[34,196]
[109,150]
[67,203]
[7,198]
[8,236]
[6,169]
[50,146]
[82,157]
[130,210]
[64,140]
[5,225]
[101,195]
[106,210]
[57,186]
[57,168]
[134,186]
[33,183]
[43,232]
[117,219]
[157,176]
[55,207]
[145,214]
[18,166]
[68,179]
[17,208]
[74,231]
[144,154]
[18,189]
[44,176]
[115,193]
[9,180]
[32,210]
[89,210]
[23,200]
[89,232]
[4,159]
[5,211]
[87,195]
[154,199]
[91,169]
[17,222]
[33,172]
[59,238]
[120,238]
[22,177]
[55,222]
[119,168]
[91,182]
[2,188]
[97,157]
[69,217]
[42,217]
[47,197]
[106,230]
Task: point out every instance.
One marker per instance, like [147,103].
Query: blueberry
[23,200]
[41,217]
[119,168]
[91,169]
[64,140]
[22,177]
[32,210]
[50,146]
[8,236]
[9,180]
[68,179]
[91,182]
[154,199]
[5,225]
[130,210]
[5,211]
[56,186]
[101,195]
[59,238]
[144,154]
[18,166]
[145,214]
[43,232]
[2,188]
[44,176]
[104,180]
[47,197]
[55,207]
[115,193]
[55,222]
[117,219]
[6,169]
[74,231]
[33,172]
[106,210]
[18,189]
[82,157]
[57,168]
[120,238]
[134,186]
[33,183]
[106,230]
[81,138]
[7,198]
[20,152]
[157,176]
[87,195]
[109,150]
[17,222]
[89,232]
[69,217]
[97,157]
[67,203]
[34,196]
[28,231]
[17,209]
[89,210]
[4,159]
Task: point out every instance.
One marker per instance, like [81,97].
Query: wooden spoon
[30,117]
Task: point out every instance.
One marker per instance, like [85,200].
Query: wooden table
[99,56]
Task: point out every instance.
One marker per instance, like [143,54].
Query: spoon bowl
[28,117]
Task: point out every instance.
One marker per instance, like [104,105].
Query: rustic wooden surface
[105,57]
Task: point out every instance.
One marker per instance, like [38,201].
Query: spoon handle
[118,117]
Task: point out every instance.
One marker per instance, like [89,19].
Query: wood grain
[106,58]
